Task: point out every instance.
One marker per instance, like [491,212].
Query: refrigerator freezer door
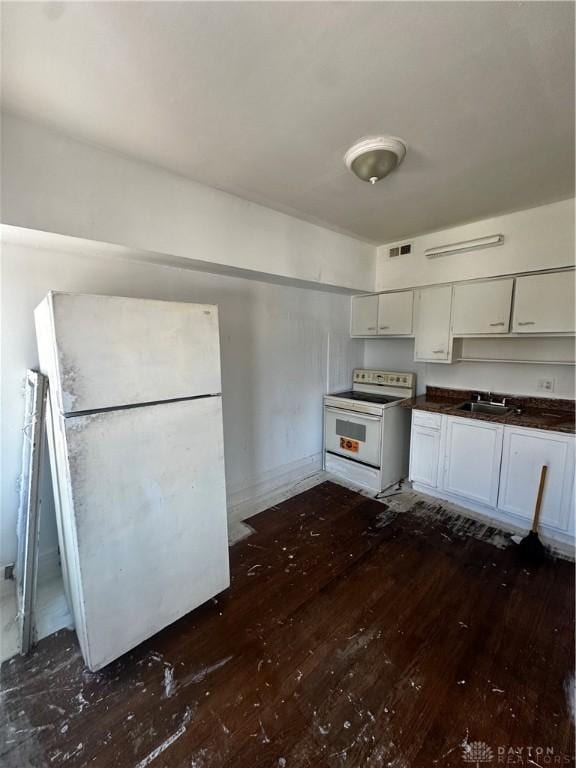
[145,522]
[108,351]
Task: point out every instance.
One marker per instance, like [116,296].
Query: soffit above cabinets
[262,100]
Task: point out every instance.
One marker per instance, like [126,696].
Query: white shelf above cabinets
[544,303]
[482,307]
[432,327]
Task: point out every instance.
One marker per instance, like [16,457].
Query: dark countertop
[555,415]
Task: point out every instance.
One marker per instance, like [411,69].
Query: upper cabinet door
[364,315]
[482,307]
[432,330]
[544,303]
[395,313]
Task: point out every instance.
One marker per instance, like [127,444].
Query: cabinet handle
[371,327]
[528,322]
[438,351]
[384,327]
[493,325]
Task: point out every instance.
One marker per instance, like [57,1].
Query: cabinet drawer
[427,419]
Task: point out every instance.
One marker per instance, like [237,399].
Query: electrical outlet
[546,385]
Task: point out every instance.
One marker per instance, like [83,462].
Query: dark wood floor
[349,637]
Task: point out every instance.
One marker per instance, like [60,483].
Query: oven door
[353,435]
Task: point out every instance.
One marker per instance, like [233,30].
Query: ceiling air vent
[400,250]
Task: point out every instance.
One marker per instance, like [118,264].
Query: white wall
[282,347]
[57,184]
[535,239]
[538,238]
[511,378]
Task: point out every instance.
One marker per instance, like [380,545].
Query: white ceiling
[263,99]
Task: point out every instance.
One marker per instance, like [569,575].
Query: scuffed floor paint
[354,633]
[151,757]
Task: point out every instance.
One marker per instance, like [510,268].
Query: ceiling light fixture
[374,157]
[466,245]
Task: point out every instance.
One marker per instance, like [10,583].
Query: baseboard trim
[560,544]
[274,486]
[48,568]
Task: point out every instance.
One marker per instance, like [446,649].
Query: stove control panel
[384,378]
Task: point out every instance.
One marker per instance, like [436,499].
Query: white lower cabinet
[525,452]
[496,469]
[472,459]
[424,455]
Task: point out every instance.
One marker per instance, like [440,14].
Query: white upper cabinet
[432,327]
[482,307]
[540,304]
[544,303]
[364,315]
[395,313]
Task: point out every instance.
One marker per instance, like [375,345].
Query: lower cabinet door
[472,459]
[525,452]
[424,456]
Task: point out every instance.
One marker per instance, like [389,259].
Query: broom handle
[543,472]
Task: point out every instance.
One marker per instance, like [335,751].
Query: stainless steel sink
[490,408]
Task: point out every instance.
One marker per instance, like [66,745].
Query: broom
[531,548]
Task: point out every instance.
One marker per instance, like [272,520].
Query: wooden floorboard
[351,635]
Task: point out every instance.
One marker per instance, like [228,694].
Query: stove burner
[367,397]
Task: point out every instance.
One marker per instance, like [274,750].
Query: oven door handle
[357,414]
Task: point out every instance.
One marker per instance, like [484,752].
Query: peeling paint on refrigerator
[137,460]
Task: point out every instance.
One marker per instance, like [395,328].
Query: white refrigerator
[137,460]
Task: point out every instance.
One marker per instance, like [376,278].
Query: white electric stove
[366,434]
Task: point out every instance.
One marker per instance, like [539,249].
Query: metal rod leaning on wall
[28,529]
